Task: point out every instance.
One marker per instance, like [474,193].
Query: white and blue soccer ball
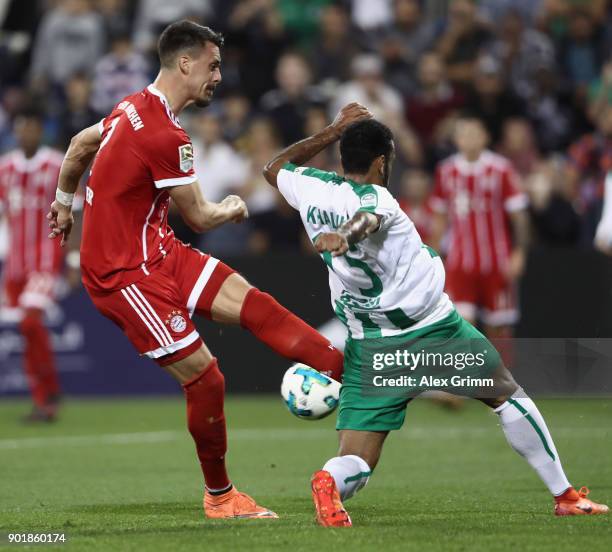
[308,394]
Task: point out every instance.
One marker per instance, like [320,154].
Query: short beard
[202,103]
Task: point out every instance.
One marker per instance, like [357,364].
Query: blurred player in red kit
[478,197]
[151,284]
[28,176]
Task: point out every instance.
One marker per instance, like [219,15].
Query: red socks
[206,423]
[288,335]
[39,362]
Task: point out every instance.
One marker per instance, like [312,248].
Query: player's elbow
[76,142]
[80,145]
[270,172]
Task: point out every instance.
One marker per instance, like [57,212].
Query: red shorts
[35,291]
[489,297]
[155,312]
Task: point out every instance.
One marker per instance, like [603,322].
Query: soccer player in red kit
[149,283]
[478,197]
[28,176]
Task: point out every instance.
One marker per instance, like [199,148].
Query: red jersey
[420,215]
[27,188]
[143,152]
[478,197]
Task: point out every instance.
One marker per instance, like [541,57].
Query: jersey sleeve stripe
[181,181]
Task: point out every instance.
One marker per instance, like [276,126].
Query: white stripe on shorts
[152,311]
[154,332]
[176,346]
[200,284]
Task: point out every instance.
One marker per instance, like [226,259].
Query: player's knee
[191,367]
[259,308]
[504,387]
[206,379]
[229,302]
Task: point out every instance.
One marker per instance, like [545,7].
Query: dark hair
[31,111]
[472,117]
[184,35]
[362,142]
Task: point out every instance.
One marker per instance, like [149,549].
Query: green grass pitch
[122,475]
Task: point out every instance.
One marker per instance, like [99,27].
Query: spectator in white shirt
[121,72]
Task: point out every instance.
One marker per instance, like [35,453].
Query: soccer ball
[308,394]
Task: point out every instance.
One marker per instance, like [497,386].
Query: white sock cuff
[518,394]
[363,465]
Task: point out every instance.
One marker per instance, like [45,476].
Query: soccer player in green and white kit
[387,288]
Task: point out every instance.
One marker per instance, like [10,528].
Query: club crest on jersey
[176,321]
[369,200]
[186,157]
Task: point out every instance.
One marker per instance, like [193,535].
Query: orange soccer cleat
[576,503]
[234,505]
[328,506]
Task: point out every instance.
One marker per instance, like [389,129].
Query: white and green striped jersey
[388,283]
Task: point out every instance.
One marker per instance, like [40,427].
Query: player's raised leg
[238,302]
[204,387]
[344,475]
[527,433]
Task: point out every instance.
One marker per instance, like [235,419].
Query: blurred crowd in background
[537,72]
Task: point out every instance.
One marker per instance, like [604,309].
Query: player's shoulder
[147,109]
[311,172]
[449,164]
[155,101]
[496,161]
[164,124]
[7,158]
[51,156]
[372,197]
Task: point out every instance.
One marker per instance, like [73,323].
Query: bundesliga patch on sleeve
[186,157]
[369,200]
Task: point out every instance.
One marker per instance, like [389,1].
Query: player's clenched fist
[333,242]
[60,221]
[349,114]
[236,208]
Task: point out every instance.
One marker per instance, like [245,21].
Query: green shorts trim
[385,413]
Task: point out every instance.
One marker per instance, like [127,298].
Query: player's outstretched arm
[300,152]
[201,215]
[83,148]
[351,232]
